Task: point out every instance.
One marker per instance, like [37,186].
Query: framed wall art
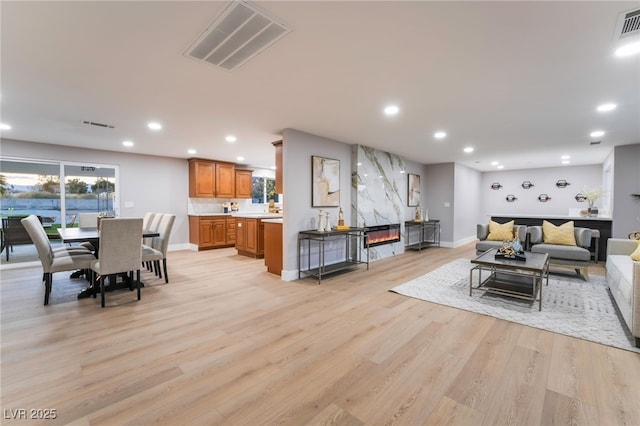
[325,182]
[413,189]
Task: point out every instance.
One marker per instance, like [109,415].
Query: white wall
[544,181]
[152,184]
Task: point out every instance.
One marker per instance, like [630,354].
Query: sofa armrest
[535,234]
[482,231]
[583,237]
[621,246]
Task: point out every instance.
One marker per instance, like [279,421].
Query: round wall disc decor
[580,197]
[496,186]
[510,198]
[562,183]
[543,198]
[526,184]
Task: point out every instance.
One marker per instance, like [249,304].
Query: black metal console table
[354,240]
[428,234]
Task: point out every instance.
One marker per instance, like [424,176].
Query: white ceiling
[519,81]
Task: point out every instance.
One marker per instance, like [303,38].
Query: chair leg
[47,287]
[158,270]
[164,266]
[102,290]
[138,282]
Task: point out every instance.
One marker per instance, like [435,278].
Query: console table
[428,234]
[354,239]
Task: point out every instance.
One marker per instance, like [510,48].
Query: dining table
[92,235]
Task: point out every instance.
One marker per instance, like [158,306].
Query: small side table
[428,234]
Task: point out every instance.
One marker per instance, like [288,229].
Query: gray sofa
[623,280]
[482,232]
[576,257]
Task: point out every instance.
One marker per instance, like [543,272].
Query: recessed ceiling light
[154,125]
[606,107]
[359,164]
[628,49]
[128,144]
[501,166]
[596,134]
[468,149]
[230,138]
[391,110]
[494,163]
[402,172]
[566,161]
[4,126]
[240,158]
[565,157]
[440,135]
[191,151]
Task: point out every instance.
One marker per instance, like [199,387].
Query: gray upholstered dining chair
[120,251]
[54,260]
[158,249]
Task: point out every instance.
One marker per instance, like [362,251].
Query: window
[264,189]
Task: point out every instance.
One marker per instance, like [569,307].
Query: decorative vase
[320,227]
[426,215]
[328,226]
[593,211]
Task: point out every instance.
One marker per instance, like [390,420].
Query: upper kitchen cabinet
[202,175]
[278,147]
[211,179]
[225,180]
[244,183]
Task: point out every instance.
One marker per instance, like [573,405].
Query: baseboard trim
[289,275]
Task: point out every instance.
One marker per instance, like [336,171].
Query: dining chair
[54,260]
[158,249]
[120,251]
[88,220]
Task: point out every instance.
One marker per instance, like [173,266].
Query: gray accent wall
[467,204]
[153,184]
[626,181]
[439,185]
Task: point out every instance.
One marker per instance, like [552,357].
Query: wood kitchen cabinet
[211,179]
[244,183]
[209,232]
[250,237]
[273,247]
[278,146]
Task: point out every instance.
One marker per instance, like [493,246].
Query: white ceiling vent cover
[237,35]
[628,24]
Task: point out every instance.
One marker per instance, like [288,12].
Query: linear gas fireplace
[382,234]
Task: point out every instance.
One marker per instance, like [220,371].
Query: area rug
[570,305]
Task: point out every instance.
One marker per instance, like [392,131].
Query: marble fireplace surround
[378,192]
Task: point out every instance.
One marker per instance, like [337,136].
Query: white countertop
[272,220]
[257,215]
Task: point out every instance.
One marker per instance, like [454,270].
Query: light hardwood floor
[225,342]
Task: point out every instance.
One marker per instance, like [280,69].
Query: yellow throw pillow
[636,254]
[562,235]
[498,232]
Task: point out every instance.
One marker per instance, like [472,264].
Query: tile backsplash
[214,205]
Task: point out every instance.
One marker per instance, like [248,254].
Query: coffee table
[514,278]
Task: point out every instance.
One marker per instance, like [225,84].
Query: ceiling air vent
[93,123]
[628,24]
[237,35]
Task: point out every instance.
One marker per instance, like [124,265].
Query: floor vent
[595,143]
[238,34]
[628,24]
[93,123]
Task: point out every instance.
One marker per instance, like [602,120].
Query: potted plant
[592,195]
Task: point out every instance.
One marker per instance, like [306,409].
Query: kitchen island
[250,233]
